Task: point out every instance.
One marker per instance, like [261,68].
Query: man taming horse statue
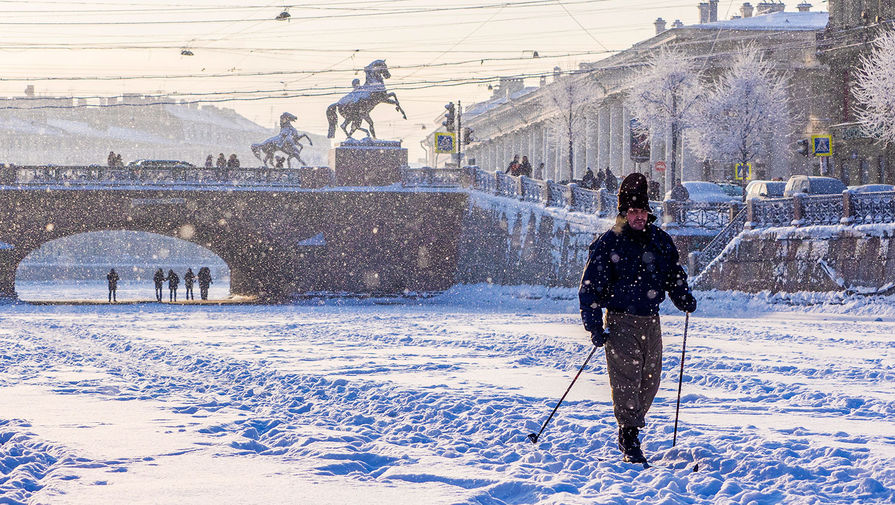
[286,142]
[355,107]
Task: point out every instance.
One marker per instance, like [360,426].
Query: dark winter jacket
[159,278]
[188,278]
[173,280]
[112,277]
[629,272]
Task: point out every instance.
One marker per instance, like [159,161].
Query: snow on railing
[803,210]
[431,177]
[74,176]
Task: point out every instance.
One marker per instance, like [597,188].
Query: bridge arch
[74,267]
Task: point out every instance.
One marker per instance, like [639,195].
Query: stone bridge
[277,238]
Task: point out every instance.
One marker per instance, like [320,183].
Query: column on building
[590,140]
[628,164]
[602,136]
[657,153]
[538,152]
[580,149]
[691,162]
[616,130]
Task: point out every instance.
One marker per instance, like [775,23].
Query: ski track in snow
[776,408]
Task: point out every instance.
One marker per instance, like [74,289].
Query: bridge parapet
[74,176]
[848,208]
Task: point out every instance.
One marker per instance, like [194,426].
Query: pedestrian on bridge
[159,279]
[204,281]
[112,277]
[188,279]
[209,161]
[173,281]
[629,269]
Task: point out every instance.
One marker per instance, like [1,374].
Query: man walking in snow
[629,270]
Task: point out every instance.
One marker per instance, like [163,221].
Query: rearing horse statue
[355,107]
[287,142]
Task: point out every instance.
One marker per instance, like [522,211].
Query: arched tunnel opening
[75,268]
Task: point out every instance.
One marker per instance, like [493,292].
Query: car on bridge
[732,189]
[160,164]
[872,188]
[813,185]
[704,191]
[765,189]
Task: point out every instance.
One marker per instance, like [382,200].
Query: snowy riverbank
[341,401]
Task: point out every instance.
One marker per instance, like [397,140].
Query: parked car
[160,164]
[734,190]
[765,189]
[813,185]
[872,188]
[702,191]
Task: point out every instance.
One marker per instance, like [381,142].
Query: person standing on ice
[159,279]
[204,278]
[628,271]
[173,281]
[188,279]
[112,277]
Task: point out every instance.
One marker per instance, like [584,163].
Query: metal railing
[848,208]
[429,177]
[700,259]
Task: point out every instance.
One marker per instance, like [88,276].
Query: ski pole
[680,381]
[534,436]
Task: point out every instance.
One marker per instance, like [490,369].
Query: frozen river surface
[430,401]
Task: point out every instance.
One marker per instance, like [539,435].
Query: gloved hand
[592,319]
[598,337]
[688,304]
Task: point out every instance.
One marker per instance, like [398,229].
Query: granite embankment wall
[858,259]
[511,242]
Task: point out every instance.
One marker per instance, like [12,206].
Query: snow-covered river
[430,401]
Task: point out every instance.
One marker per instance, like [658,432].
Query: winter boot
[629,444]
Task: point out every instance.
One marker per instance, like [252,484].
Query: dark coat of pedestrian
[588,180]
[655,190]
[221,161]
[112,278]
[209,161]
[629,270]
[525,167]
[513,167]
[233,162]
[611,181]
[601,179]
[204,278]
[111,159]
[679,192]
[173,282]
[188,278]
[159,279]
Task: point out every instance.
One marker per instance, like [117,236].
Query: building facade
[521,120]
[854,24]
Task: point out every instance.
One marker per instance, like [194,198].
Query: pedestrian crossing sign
[822,145]
[742,171]
[445,142]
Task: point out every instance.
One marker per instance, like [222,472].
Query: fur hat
[633,194]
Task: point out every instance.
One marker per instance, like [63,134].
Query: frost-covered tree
[568,96]
[875,88]
[663,97]
[745,112]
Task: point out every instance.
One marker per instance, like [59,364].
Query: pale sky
[244,59]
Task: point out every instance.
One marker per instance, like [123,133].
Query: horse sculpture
[355,107]
[286,142]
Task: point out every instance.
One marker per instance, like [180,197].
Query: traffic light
[450,117]
[467,135]
[803,147]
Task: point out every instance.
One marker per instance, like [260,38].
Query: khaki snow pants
[634,362]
